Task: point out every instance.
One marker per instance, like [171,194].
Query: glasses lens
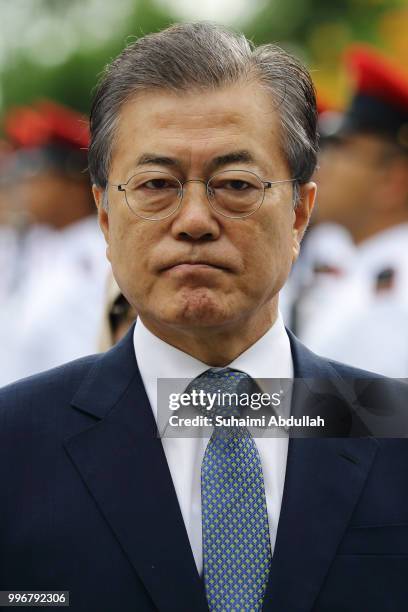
[153,194]
[235,193]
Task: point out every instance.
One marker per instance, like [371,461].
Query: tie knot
[220,389]
[228,379]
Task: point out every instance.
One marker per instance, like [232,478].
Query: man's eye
[236,185]
[157,184]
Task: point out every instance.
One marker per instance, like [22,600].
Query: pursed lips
[196,264]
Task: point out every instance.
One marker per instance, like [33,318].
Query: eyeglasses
[155,195]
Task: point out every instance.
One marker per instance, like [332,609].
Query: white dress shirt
[269,357]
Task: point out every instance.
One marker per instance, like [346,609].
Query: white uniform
[55,312]
[362,316]
[22,255]
[325,258]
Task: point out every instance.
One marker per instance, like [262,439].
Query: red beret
[379,104]
[377,76]
[46,123]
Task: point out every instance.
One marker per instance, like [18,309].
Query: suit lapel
[122,462]
[324,479]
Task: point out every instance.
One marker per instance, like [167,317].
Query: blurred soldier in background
[5,154]
[51,302]
[356,309]
[326,249]
[7,233]
[118,316]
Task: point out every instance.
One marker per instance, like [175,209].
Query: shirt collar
[269,357]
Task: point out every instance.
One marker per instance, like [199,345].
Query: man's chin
[199,308]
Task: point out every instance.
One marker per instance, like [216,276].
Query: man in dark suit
[201,156]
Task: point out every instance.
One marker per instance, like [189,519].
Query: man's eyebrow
[160,160]
[231,158]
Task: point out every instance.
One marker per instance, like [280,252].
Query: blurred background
[55,48]
[56,302]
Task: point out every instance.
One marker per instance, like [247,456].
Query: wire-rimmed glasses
[155,195]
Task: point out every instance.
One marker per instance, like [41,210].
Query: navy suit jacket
[88,504]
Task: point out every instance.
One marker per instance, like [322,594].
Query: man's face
[197,268]
[350,178]
[41,193]
[52,198]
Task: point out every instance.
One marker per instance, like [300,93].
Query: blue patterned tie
[236,543]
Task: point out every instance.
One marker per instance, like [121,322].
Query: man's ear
[103,216]
[302,214]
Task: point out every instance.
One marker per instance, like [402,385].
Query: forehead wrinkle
[202,134]
[197,121]
[175,144]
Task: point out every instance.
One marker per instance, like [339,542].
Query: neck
[376,225]
[217,347]
[60,222]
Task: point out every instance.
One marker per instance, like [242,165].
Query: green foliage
[316,29]
[71,83]
[295,20]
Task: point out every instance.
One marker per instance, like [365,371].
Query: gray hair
[206,56]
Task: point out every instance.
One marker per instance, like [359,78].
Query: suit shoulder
[379,381]
[374,389]
[308,364]
[57,385]
[346,371]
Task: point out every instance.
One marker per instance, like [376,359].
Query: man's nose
[195,219]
